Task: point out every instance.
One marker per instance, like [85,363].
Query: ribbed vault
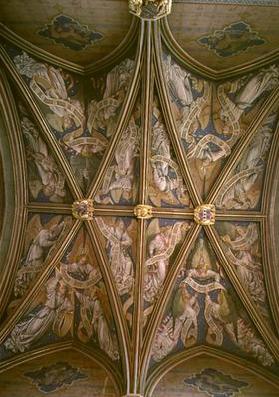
[143,231]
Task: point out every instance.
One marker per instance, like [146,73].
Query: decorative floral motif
[215,383]
[70,33]
[49,379]
[232,40]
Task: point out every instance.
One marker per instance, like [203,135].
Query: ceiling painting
[232,40]
[79,33]
[215,25]
[120,183]
[241,243]
[44,233]
[68,375]
[45,180]
[58,373]
[70,33]
[120,243]
[166,186]
[208,375]
[81,126]
[164,239]
[204,309]
[142,201]
[243,188]
[72,302]
[211,118]
[215,383]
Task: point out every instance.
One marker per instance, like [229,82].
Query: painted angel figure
[49,86]
[47,177]
[160,247]
[45,238]
[247,92]
[221,317]
[120,258]
[96,323]
[244,253]
[156,271]
[181,323]
[250,343]
[165,174]
[239,192]
[120,179]
[81,269]
[103,114]
[56,313]
[179,83]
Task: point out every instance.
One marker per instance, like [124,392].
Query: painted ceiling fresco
[138,215]
[224,34]
[78,32]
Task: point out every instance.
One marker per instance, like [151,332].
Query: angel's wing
[103,298]
[53,221]
[33,228]
[153,228]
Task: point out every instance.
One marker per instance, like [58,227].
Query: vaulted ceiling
[139,197]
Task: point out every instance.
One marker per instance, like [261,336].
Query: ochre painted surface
[172,384]
[96,384]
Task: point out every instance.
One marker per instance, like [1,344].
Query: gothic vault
[139,198]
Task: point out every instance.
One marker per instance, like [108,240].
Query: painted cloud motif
[215,383]
[232,39]
[49,379]
[70,33]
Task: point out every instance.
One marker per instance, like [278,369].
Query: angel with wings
[241,243]
[120,257]
[55,312]
[166,183]
[247,91]
[40,240]
[44,175]
[162,242]
[96,320]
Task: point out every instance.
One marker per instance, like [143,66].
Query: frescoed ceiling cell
[204,309]
[120,183]
[241,242]
[80,33]
[72,303]
[211,118]
[44,234]
[243,189]
[119,238]
[57,373]
[140,223]
[166,186]
[46,180]
[164,239]
[207,375]
[82,129]
[215,18]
